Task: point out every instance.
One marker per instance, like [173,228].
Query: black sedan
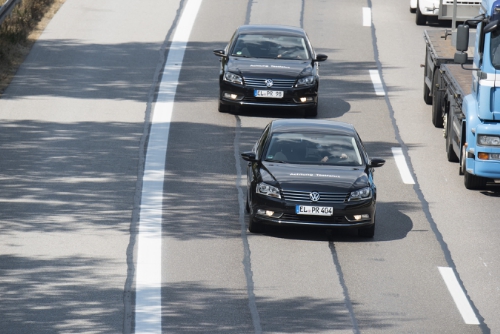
[311,172]
[271,66]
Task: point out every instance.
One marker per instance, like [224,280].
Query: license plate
[313,210]
[275,94]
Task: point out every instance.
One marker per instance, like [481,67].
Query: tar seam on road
[347,299]
[416,186]
[302,14]
[129,294]
[247,261]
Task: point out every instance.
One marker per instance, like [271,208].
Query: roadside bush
[14,33]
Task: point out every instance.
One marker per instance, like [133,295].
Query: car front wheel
[255,226]
[368,231]
[311,111]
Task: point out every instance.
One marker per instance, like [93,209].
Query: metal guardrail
[6,9]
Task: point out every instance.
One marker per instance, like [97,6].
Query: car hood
[264,68]
[314,177]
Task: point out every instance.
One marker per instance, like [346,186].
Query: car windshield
[270,46]
[308,148]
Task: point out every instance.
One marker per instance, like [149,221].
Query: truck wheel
[473,181]
[420,19]
[461,170]
[427,91]
[470,181]
[437,101]
[450,153]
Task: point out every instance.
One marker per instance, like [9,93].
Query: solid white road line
[148,279]
[367,17]
[402,166]
[377,83]
[458,296]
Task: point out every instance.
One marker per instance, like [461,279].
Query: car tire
[223,107]
[437,102]
[311,112]
[255,226]
[247,206]
[413,10]
[368,231]
[420,19]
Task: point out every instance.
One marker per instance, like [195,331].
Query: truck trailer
[465,93]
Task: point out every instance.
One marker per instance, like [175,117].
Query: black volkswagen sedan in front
[271,66]
[311,172]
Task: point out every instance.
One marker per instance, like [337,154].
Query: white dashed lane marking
[458,295]
[367,17]
[402,165]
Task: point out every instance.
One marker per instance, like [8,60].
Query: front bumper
[486,168]
[284,213]
[237,95]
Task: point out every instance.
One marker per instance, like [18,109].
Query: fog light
[265,212]
[364,216]
[231,96]
[269,213]
[305,99]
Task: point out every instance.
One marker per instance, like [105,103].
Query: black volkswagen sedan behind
[311,172]
[269,65]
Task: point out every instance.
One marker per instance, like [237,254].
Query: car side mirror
[220,53]
[321,57]
[376,162]
[249,156]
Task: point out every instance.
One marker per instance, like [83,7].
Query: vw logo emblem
[314,196]
[269,82]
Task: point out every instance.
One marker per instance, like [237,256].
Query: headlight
[268,190]
[306,81]
[485,140]
[234,78]
[360,194]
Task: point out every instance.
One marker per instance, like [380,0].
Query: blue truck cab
[477,128]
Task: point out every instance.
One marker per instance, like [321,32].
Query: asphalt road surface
[84,140]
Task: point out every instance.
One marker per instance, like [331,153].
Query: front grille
[303,196]
[314,219]
[277,83]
